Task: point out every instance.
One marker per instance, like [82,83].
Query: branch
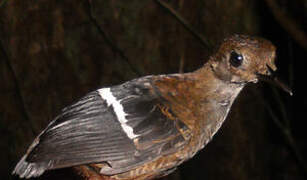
[286,132]
[281,106]
[284,126]
[108,40]
[17,89]
[288,24]
[186,25]
[89,173]
[181,64]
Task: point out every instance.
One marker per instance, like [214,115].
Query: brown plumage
[159,121]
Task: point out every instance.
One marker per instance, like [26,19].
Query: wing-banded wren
[146,127]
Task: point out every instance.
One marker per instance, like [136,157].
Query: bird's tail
[27,169]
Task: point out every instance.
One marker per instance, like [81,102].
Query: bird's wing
[123,126]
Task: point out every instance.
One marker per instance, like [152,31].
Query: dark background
[53,52]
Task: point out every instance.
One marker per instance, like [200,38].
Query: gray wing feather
[88,132]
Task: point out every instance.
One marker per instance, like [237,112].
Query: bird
[146,127]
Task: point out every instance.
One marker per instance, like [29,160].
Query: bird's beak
[272,78]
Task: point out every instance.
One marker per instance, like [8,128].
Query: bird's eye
[235,59]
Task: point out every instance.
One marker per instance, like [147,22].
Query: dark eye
[235,59]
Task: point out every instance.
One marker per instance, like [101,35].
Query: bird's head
[241,59]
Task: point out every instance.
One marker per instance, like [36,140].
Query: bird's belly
[164,164]
[156,168]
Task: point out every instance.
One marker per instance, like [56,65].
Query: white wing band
[107,95]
